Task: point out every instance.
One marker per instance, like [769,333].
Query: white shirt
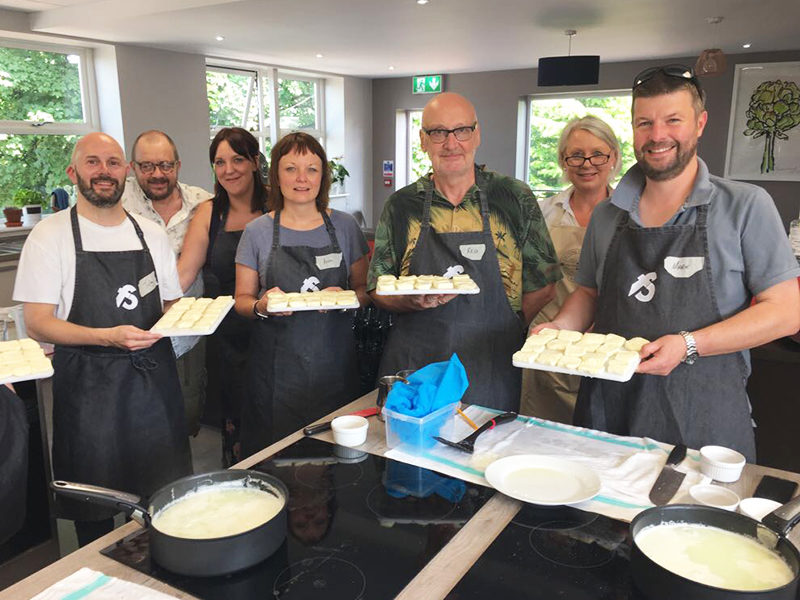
[557,211]
[46,271]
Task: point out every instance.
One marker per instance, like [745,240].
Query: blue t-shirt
[256,244]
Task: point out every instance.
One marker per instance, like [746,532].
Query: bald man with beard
[93,280]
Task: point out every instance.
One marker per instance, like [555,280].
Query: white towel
[627,466]
[87,584]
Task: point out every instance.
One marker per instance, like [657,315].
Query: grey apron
[13,463]
[118,418]
[699,404]
[302,366]
[482,329]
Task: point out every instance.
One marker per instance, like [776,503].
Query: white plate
[430,292]
[30,377]
[544,480]
[207,331]
[626,376]
[324,307]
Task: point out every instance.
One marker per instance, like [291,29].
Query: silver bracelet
[258,315]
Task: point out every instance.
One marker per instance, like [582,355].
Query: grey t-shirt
[256,243]
[747,244]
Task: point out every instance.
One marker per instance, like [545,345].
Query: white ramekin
[349,430]
[721,464]
[757,508]
[714,495]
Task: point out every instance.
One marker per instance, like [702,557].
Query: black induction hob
[553,552]
[360,527]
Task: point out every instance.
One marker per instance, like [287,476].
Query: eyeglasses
[462,134]
[594,160]
[674,70]
[165,166]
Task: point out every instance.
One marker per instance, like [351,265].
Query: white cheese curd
[217,511]
[714,556]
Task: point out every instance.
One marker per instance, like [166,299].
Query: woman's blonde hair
[598,128]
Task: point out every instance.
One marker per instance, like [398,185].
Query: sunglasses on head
[674,70]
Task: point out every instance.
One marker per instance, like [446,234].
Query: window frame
[269,75]
[89,104]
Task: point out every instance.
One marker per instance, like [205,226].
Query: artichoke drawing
[774,109]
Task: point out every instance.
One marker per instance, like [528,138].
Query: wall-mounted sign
[426,84]
[388,168]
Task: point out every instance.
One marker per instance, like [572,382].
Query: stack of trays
[605,356]
[23,360]
[409,285]
[324,300]
[193,316]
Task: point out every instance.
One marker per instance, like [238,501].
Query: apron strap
[276,231]
[142,362]
[76,230]
[218,219]
[331,231]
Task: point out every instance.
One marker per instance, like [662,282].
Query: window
[46,103]
[549,114]
[419,163]
[242,97]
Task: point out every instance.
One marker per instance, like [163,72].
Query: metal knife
[670,479]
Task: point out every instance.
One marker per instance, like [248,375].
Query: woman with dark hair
[210,244]
[302,365]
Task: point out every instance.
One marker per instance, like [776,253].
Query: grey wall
[167,90]
[497,94]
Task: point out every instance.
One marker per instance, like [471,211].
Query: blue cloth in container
[429,388]
[402,479]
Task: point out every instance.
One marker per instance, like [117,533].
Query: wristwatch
[691,348]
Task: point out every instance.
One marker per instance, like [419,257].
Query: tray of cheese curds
[605,356]
[410,285]
[193,316]
[278,302]
[23,360]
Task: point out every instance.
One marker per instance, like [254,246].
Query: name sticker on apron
[329,261]
[147,284]
[472,251]
[683,266]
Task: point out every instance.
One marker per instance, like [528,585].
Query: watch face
[690,358]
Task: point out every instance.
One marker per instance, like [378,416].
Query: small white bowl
[350,430]
[721,464]
[714,495]
[757,508]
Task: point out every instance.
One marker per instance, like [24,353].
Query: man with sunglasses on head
[676,256]
[462,218]
[155,193]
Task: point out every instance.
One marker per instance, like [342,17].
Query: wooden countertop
[433,582]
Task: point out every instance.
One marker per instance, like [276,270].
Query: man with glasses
[676,256]
[155,193]
[462,218]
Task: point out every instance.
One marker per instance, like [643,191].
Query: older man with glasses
[677,256]
[155,193]
[462,218]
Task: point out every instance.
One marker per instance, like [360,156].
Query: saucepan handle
[122,501]
[784,518]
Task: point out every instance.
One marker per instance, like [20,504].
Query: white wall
[358,144]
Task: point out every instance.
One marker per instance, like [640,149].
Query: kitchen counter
[433,581]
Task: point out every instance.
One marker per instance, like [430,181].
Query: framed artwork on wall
[764,130]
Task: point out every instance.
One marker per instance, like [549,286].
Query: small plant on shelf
[338,171]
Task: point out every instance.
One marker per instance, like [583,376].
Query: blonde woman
[589,157]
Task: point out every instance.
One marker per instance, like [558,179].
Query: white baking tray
[430,292]
[610,376]
[31,377]
[187,332]
[323,307]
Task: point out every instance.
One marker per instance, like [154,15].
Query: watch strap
[691,348]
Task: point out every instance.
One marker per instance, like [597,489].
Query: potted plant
[13,216]
[32,203]
[338,175]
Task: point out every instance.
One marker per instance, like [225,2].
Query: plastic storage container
[416,434]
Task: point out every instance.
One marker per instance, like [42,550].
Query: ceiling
[366,37]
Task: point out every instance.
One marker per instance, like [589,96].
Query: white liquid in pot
[217,512]
[714,556]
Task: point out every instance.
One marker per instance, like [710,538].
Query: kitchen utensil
[324,426]
[721,464]
[385,384]
[658,583]
[670,479]
[188,556]
[468,443]
[405,373]
[349,430]
[466,418]
[543,480]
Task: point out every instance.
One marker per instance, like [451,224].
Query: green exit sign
[427,84]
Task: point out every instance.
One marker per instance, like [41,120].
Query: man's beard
[157,197]
[682,158]
[96,199]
